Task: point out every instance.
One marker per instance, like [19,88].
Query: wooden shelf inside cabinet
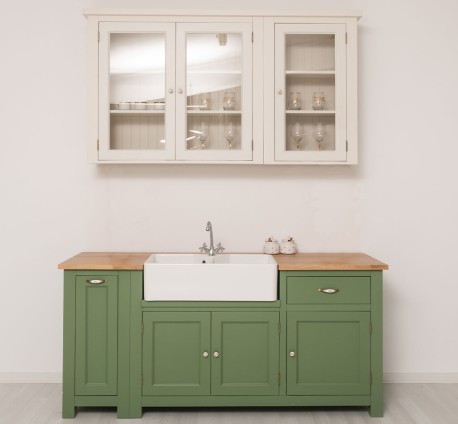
[311,112]
[137,112]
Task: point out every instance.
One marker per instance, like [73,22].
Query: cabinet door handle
[180,91]
[205,354]
[280,92]
[170,90]
[96,281]
[292,354]
[328,291]
[216,354]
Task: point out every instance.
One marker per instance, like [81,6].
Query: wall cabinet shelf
[311,112]
[225,91]
[137,112]
[214,112]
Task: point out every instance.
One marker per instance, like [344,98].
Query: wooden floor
[404,404]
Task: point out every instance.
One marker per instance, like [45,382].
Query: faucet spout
[211,250]
[210,228]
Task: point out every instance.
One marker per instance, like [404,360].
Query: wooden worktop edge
[134,261]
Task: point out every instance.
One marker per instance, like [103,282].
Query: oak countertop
[298,262]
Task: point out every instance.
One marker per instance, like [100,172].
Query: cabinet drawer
[302,290]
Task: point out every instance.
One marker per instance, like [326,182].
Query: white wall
[399,205]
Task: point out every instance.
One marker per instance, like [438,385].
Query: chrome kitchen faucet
[212,251]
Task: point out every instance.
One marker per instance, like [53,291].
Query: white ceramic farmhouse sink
[229,277]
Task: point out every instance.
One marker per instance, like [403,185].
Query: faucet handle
[203,248]
[220,248]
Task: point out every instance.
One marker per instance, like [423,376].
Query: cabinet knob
[205,354]
[292,354]
[328,291]
[216,354]
[170,90]
[180,91]
[95,281]
[280,92]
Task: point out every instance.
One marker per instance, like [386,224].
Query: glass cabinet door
[310,92]
[136,91]
[214,92]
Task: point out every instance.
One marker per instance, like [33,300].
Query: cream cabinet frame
[344,110]
[245,152]
[124,136]
[263,114]
[106,115]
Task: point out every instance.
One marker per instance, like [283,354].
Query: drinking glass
[319,133]
[205,101]
[297,133]
[295,101]
[318,100]
[229,100]
[230,134]
[203,135]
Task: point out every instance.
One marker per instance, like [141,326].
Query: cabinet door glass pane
[214,91]
[137,91]
[310,89]
[311,92]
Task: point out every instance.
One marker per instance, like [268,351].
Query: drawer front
[328,290]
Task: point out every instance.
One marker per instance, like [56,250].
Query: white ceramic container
[288,247]
[272,247]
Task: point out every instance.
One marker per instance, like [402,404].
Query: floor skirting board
[30,377]
[56,377]
[420,378]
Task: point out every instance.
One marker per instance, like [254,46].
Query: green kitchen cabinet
[175,353]
[319,344]
[245,353]
[328,353]
[96,338]
[210,353]
[333,347]
[97,349]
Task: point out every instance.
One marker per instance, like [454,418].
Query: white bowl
[138,106]
[123,106]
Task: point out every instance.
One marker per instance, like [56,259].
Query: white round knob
[292,354]
[170,90]
[180,91]
[216,354]
[205,354]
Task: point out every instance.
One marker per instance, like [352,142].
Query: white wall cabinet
[247,88]
[175,91]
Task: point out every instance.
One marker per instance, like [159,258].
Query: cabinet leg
[68,410]
[123,411]
[129,411]
[136,411]
[376,410]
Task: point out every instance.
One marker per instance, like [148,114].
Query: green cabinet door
[96,341]
[174,353]
[328,353]
[247,349]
